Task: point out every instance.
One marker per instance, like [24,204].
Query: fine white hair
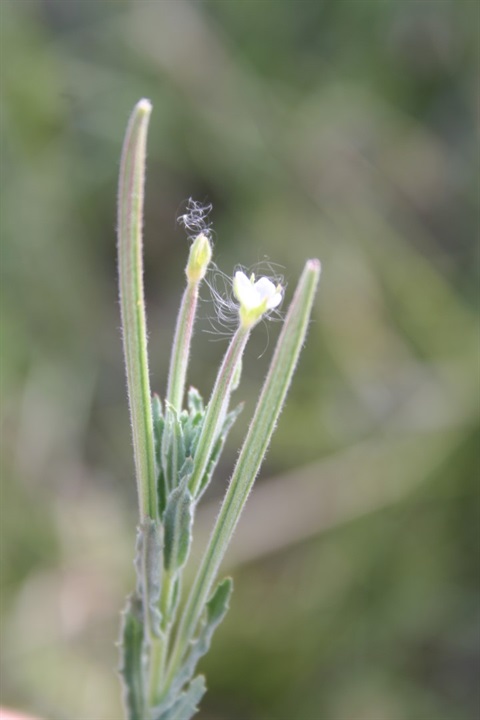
[195,219]
[225,320]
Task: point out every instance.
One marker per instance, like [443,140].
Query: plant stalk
[251,455]
[181,347]
[218,405]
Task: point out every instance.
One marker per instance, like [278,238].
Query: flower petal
[255,298]
[275,299]
[265,288]
[244,291]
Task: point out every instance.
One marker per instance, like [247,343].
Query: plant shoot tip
[314,264]
[144,105]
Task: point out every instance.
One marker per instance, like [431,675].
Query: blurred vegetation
[342,130]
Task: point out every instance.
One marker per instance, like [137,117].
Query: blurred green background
[338,130]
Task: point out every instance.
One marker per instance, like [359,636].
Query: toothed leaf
[186,706]
[148,564]
[215,610]
[133,661]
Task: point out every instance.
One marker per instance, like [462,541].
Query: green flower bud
[199,258]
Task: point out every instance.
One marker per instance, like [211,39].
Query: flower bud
[199,258]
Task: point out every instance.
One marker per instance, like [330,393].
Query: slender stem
[166,596]
[158,672]
[217,405]
[130,268]
[251,455]
[158,656]
[181,346]
[159,649]
[198,261]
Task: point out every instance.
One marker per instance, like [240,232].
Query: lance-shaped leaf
[215,610]
[158,427]
[158,424]
[187,704]
[133,660]
[193,421]
[177,521]
[148,564]
[173,448]
[195,402]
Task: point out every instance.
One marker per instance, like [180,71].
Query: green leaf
[185,706]
[195,402]
[178,520]
[133,660]
[215,610]
[192,421]
[173,448]
[158,423]
[219,603]
[158,427]
[148,564]
[217,449]
[185,471]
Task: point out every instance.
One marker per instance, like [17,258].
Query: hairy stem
[181,347]
[130,269]
[218,405]
[252,453]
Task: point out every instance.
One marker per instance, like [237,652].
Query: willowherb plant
[176,450]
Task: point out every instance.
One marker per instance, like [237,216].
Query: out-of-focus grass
[338,130]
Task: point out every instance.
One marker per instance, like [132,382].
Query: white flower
[255,298]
